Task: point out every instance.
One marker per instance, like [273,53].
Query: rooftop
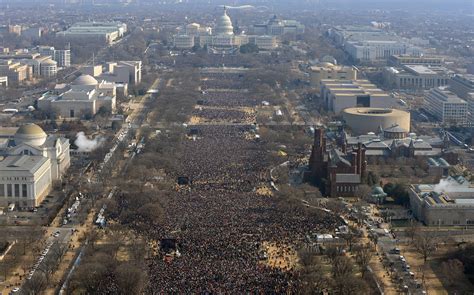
[23,163]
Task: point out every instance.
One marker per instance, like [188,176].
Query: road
[136,118]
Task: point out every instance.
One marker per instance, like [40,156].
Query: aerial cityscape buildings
[269,147]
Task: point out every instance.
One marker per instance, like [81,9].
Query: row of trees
[104,270]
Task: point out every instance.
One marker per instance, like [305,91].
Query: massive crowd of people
[229,99]
[220,222]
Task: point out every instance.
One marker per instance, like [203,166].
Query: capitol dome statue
[224,25]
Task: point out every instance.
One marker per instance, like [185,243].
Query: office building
[32,33]
[15,71]
[463,86]
[92,70]
[448,203]
[120,72]
[341,94]
[4,81]
[183,41]
[429,61]
[62,57]
[264,42]
[14,29]
[277,27]
[106,32]
[32,161]
[41,66]
[327,70]
[369,44]
[416,77]
[446,106]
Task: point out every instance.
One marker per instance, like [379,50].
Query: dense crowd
[229,99]
[221,223]
[220,115]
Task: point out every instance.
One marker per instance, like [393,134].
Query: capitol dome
[224,25]
[85,80]
[30,134]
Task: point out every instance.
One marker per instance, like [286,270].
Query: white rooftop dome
[224,24]
[31,134]
[85,80]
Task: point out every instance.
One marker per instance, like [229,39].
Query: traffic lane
[57,235]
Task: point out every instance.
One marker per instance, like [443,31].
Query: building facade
[404,59]
[84,97]
[463,86]
[446,106]
[341,94]
[106,32]
[32,161]
[4,81]
[369,44]
[416,77]
[449,203]
[221,38]
[62,57]
[277,27]
[337,172]
[15,71]
[365,120]
[328,71]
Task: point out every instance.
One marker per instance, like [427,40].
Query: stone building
[337,172]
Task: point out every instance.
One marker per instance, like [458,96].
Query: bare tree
[425,244]
[35,285]
[334,251]
[90,276]
[351,237]
[341,268]
[48,267]
[412,230]
[130,279]
[313,276]
[363,255]
[350,285]
[58,250]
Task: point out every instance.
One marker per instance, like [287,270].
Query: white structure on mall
[84,97]
[31,162]
[221,38]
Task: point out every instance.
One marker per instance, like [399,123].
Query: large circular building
[364,120]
